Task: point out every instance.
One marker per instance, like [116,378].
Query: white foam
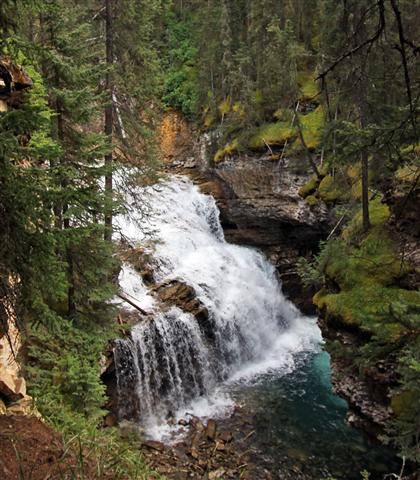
[134,288]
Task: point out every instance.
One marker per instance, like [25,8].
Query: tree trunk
[109,117]
[365,190]
[364,153]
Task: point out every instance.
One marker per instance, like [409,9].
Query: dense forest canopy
[332,85]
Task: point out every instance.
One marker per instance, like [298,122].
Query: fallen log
[130,302]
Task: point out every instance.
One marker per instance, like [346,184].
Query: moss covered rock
[313,125]
[328,190]
[311,200]
[271,134]
[310,187]
[366,269]
[308,87]
[229,149]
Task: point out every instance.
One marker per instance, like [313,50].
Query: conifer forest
[209,239]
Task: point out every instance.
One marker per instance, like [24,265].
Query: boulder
[184,297]
[12,388]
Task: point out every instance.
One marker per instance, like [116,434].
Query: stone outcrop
[264,207]
[13,81]
[184,297]
[367,391]
[14,399]
[176,140]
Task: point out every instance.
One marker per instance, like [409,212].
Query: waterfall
[175,363]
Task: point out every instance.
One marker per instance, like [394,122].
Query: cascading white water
[174,363]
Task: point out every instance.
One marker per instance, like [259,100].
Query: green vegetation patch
[366,268]
[364,306]
[229,149]
[308,87]
[328,189]
[379,213]
[311,200]
[313,127]
[310,187]
[271,134]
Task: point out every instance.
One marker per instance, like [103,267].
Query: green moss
[407,174]
[209,120]
[364,306]
[411,150]
[227,150]
[310,187]
[373,261]
[271,134]
[284,115]
[224,107]
[328,190]
[403,401]
[366,269]
[313,127]
[239,109]
[308,87]
[379,213]
[311,200]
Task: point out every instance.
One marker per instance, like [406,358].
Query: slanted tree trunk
[109,116]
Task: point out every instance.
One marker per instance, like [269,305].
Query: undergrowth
[63,372]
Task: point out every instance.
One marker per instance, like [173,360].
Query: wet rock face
[368,395]
[258,197]
[265,205]
[183,296]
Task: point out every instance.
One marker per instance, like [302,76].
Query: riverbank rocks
[368,396]
[211,429]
